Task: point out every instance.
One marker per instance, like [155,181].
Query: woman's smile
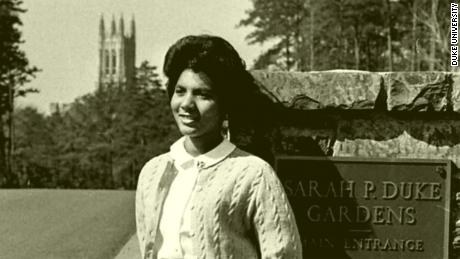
[188,119]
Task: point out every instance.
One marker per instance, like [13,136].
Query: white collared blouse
[175,220]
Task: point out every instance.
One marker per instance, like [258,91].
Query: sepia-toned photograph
[244,129]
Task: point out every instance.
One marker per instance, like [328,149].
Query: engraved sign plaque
[369,208]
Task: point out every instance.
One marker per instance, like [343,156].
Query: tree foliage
[382,35]
[15,71]
[102,140]
[33,145]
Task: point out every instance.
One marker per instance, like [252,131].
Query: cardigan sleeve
[140,216]
[273,219]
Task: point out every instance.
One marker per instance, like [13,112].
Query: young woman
[206,198]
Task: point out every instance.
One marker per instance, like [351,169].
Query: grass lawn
[52,224]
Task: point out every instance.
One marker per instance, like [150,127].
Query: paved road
[130,250]
[55,224]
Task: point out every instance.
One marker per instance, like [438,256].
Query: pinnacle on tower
[114,26]
[122,26]
[101,27]
[133,27]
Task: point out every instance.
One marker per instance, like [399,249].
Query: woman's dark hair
[218,60]
[246,102]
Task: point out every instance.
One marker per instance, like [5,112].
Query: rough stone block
[386,137]
[328,89]
[456,91]
[293,140]
[418,91]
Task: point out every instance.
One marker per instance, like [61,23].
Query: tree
[372,35]
[15,71]
[280,21]
[315,35]
[146,77]
[33,152]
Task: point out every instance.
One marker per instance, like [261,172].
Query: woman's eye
[179,90]
[205,95]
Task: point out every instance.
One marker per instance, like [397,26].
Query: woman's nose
[187,102]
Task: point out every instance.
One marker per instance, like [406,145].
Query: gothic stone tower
[117,54]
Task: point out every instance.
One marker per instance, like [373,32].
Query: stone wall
[359,114]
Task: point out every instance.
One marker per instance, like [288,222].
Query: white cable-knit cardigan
[239,209]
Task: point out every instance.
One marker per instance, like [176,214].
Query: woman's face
[195,107]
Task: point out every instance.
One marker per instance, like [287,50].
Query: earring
[226,128]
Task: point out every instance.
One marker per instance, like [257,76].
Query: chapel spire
[122,26]
[114,26]
[133,27]
[101,27]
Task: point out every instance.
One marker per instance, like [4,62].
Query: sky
[61,38]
